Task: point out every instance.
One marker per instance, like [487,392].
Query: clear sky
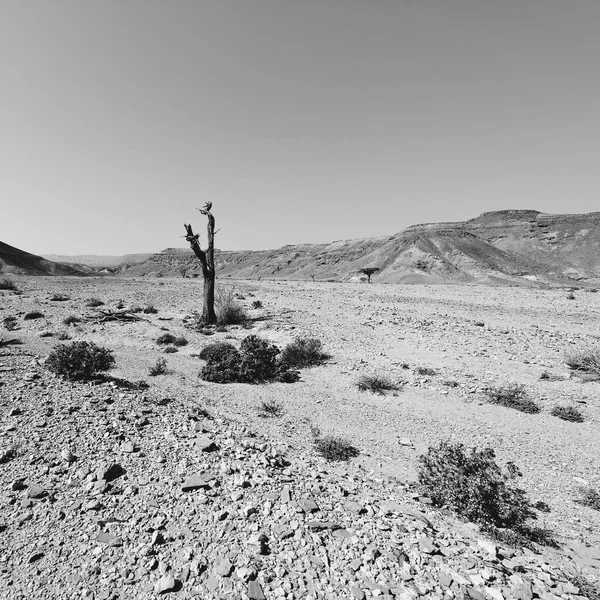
[301,120]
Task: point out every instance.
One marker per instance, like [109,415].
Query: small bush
[10,323]
[589,497]
[229,312]
[71,320]
[451,383]
[120,304]
[378,384]
[334,448]
[170,350]
[567,413]
[33,315]
[169,338]
[159,368]
[472,484]
[64,336]
[270,408]
[59,298]
[8,285]
[149,310]
[255,362]
[425,371]
[94,302]
[513,396]
[586,360]
[303,352]
[79,360]
[420,264]
[257,304]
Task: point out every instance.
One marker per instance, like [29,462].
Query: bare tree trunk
[207,260]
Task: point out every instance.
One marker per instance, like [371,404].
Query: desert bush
[513,396]
[94,302]
[149,309]
[567,413]
[334,448]
[158,368]
[64,336]
[303,352]
[169,338]
[46,334]
[472,484]
[79,360]
[255,362]
[270,408]
[59,298]
[8,285]
[590,497]
[257,304]
[425,371]
[585,359]
[120,304]
[420,264]
[378,384]
[34,314]
[170,350]
[71,320]
[229,312]
[10,323]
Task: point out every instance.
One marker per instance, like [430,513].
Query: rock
[255,591]
[204,443]
[196,482]
[223,566]
[321,525]
[110,472]
[128,447]
[36,491]
[357,593]
[427,545]
[308,505]
[67,455]
[108,539]
[165,584]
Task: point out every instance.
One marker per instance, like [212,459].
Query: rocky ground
[183,489]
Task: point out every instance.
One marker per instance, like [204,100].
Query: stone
[196,482]
[427,545]
[36,491]
[321,525]
[255,591]
[223,566]
[205,443]
[111,472]
[308,505]
[109,539]
[357,593]
[165,584]
[286,495]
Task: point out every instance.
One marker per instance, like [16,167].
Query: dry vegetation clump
[270,408]
[169,338]
[10,323]
[257,304]
[513,396]
[589,497]
[59,298]
[304,352]
[170,350]
[34,314]
[230,312]
[425,371]
[79,360]
[8,285]
[149,309]
[9,342]
[586,360]
[94,302]
[71,320]
[472,484]
[334,448]
[568,413]
[378,384]
[158,368]
[255,362]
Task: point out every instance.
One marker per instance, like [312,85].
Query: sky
[302,121]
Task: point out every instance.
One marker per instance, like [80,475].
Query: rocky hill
[497,247]
[100,261]
[13,260]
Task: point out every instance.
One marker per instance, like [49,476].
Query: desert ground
[470,337]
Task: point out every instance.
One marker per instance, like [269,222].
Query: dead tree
[207,260]
[368,271]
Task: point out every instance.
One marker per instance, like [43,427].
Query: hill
[506,246]
[96,261]
[14,260]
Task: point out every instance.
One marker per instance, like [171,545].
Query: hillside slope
[14,260]
[100,261]
[502,246]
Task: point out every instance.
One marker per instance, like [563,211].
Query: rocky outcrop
[508,246]
[13,260]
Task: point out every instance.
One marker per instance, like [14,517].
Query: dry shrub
[229,311]
[585,359]
[378,384]
[79,360]
[567,413]
[335,448]
[303,352]
[513,396]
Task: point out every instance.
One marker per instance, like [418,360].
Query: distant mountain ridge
[98,261]
[506,246]
[14,260]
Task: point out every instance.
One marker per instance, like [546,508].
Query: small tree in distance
[207,260]
[368,271]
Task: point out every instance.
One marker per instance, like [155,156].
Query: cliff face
[503,246]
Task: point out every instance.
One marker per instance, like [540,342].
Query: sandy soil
[473,337]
